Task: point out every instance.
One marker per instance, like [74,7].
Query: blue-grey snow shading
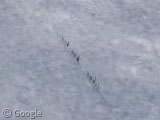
[117,40]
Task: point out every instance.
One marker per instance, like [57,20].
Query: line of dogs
[92,79]
[77,57]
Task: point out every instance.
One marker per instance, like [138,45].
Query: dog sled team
[92,79]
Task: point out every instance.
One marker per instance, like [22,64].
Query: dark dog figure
[74,54]
[67,44]
[90,77]
[78,58]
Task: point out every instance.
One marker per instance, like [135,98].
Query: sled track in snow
[90,76]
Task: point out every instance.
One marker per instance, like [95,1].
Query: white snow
[117,41]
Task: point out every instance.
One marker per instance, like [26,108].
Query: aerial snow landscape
[80,59]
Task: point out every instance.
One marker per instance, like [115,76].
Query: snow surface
[117,41]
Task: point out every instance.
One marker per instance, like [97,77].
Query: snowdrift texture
[117,40]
